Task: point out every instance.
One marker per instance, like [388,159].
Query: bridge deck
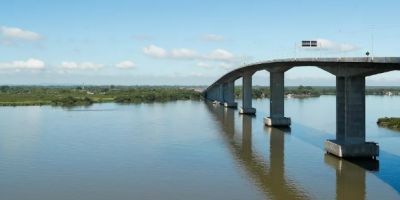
[387,63]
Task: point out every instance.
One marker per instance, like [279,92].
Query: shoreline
[108,100]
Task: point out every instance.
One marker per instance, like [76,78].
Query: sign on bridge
[309,43]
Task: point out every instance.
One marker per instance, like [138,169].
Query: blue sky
[181,42]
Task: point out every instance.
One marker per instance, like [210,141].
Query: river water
[190,150]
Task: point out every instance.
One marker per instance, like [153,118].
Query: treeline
[315,91]
[300,91]
[79,95]
[87,95]
[139,95]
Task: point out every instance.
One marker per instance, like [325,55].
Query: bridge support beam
[229,95]
[220,95]
[214,94]
[247,98]
[350,120]
[277,105]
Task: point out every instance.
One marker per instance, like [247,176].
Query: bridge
[350,96]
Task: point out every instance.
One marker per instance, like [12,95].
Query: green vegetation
[389,122]
[302,92]
[296,92]
[315,91]
[82,96]
[72,101]
[139,95]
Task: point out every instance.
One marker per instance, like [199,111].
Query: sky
[178,42]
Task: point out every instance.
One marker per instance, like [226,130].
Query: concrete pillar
[350,120]
[221,93]
[354,109]
[277,106]
[229,95]
[216,93]
[247,98]
[212,94]
[340,108]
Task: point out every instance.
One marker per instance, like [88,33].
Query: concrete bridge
[350,96]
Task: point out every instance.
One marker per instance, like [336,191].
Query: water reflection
[269,176]
[268,172]
[350,179]
[246,138]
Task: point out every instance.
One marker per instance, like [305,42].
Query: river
[190,150]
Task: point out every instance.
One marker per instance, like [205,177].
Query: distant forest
[87,95]
[315,91]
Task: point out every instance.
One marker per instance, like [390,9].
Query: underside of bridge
[350,96]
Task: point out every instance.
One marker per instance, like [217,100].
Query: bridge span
[350,75]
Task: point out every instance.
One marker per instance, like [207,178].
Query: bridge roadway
[350,75]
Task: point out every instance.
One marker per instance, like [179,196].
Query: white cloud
[213,38]
[127,64]
[183,53]
[217,58]
[68,65]
[30,64]
[221,54]
[155,51]
[14,33]
[189,54]
[329,45]
[203,64]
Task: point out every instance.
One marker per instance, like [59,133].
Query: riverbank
[83,96]
[87,95]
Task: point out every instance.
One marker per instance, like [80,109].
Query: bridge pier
[247,90]
[350,120]
[214,94]
[350,73]
[229,95]
[277,104]
[221,94]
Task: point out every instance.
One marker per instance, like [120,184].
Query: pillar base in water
[230,105]
[349,150]
[216,102]
[247,111]
[277,121]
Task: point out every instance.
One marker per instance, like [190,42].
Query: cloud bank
[218,57]
[12,35]
[29,64]
[70,65]
[127,64]
[188,54]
